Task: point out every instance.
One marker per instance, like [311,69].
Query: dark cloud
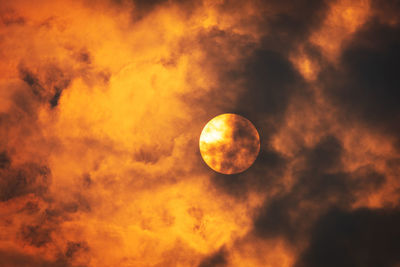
[10,258]
[49,80]
[218,259]
[362,237]
[216,45]
[84,56]
[10,18]
[263,77]
[366,83]
[148,5]
[87,181]
[74,248]
[319,184]
[54,100]
[36,235]
[38,232]
[151,154]
[4,160]
[45,225]
[291,22]
[30,79]
[22,180]
[48,87]
[31,208]
[269,79]
[263,175]
[142,8]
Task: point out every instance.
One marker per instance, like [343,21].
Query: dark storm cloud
[31,178]
[143,4]
[10,258]
[74,248]
[218,259]
[50,87]
[54,100]
[30,79]
[142,8]
[36,235]
[261,176]
[4,160]
[216,45]
[270,80]
[366,84]
[361,237]
[291,23]
[148,5]
[320,184]
[44,224]
[48,81]
[268,75]
[22,180]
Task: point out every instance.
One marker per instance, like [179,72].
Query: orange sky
[101,107]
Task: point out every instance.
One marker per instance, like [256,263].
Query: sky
[101,108]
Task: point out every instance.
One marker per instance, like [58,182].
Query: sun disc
[229,143]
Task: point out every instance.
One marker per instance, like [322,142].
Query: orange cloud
[101,107]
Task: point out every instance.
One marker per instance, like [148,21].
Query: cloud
[101,108]
[23,180]
[217,259]
[320,184]
[365,84]
[361,237]
[13,258]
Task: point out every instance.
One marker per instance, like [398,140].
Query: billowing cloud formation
[101,108]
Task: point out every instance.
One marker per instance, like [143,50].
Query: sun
[229,143]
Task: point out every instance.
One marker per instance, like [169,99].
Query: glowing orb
[229,143]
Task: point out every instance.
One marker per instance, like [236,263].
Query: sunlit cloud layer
[102,104]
